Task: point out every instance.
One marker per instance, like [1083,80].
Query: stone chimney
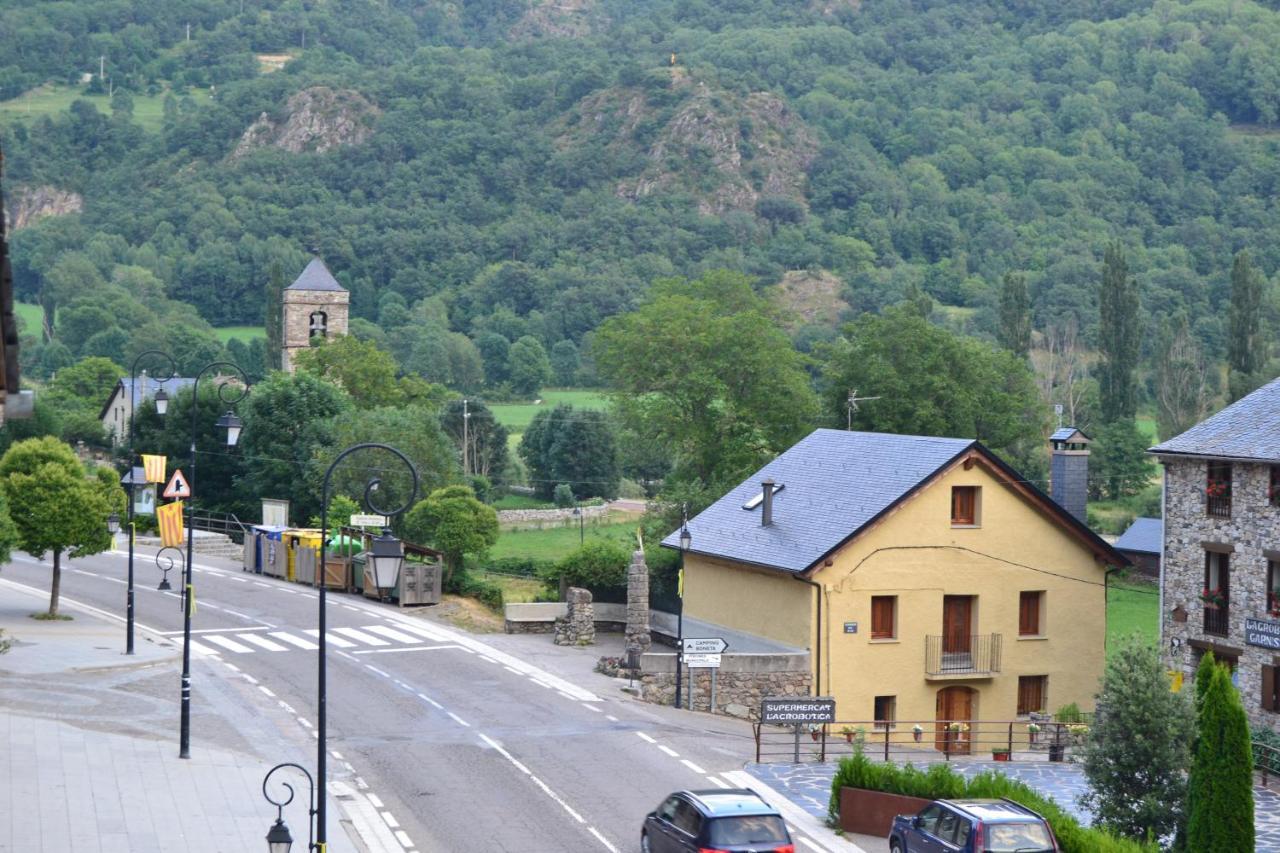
[766,503]
[1069,470]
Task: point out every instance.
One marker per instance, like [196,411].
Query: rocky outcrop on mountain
[810,298]
[26,205]
[559,19]
[315,120]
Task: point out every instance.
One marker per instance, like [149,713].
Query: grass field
[516,416]
[48,100]
[1132,607]
[32,316]
[521,502]
[244,333]
[552,543]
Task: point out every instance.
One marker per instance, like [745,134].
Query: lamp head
[278,838]
[162,402]
[113,523]
[686,538]
[386,554]
[232,425]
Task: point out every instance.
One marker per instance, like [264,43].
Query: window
[883,610]
[1029,604]
[1032,690]
[886,711]
[1271,688]
[1273,589]
[319,325]
[1217,489]
[964,505]
[1273,487]
[1216,594]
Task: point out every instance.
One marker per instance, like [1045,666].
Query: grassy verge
[521,502]
[32,316]
[516,416]
[244,333]
[1133,607]
[514,590]
[553,543]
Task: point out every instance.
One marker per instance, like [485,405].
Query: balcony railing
[965,655]
[1217,619]
[1218,506]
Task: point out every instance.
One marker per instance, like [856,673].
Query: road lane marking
[809,843]
[644,737]
[391,820]
[262,642]
[227,643]
[695,768]
[402,649]
[602,839]
[668,750]
[249,678]
[609,717]
[361,636]
[285,636]
[425,698]
[403,838]
[591,708]
[267,690]
[214,631]
[391,633]
[719,783]
[203,650]
[378,671]
[459,720]
[377,803]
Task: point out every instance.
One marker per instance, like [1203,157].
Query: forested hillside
[537,165]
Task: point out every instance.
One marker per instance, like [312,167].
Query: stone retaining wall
[741,682]
[534,516]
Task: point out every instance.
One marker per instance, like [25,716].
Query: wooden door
[954,704]
[957,612]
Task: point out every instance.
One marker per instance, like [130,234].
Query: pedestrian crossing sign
[178,486]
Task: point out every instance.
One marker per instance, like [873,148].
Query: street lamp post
[386,556]
[279,840]
[162,405]
[686,539]
[232,425]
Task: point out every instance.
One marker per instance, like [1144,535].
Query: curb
[792,813]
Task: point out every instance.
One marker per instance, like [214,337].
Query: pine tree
[1246,344]
[1182,378]
[1220,786]
[274,318]
[1015,315]
[1118,336]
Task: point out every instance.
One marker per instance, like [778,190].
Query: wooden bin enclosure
[337,572]
[872,812]
[418,583]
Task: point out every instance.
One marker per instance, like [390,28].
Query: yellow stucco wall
[918,556]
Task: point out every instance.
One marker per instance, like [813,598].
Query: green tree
[530,369]
[273,314]
[1138,749]
[495,353]
[1220,785]
[597,565]
[933,382]
[703,368]
[366,373]
[55,505]
[1119,336]
[486,452]
[1014,333]
[571,446]
[1181,387]
[565,362]
[453,521]
[1121,467]
[1247,343]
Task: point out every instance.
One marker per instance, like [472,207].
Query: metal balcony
[1217,619]
[962,656]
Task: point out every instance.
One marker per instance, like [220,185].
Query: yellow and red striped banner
[169,517]
[154,467]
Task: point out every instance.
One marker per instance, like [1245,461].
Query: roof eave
[1188,454]
[771,567]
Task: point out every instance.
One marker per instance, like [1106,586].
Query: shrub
[940,781]
[1069,714]
[462,582]
[1220,787]
[562,495]
[595,566]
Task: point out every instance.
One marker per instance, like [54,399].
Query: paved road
[458,742]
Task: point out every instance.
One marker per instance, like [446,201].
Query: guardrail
[920,740]
[961,655]
[1266,761]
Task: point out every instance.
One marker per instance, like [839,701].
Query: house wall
[766,603]
[1252,530]
[298,307]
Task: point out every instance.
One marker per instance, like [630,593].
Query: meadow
[517,416]
[49,100]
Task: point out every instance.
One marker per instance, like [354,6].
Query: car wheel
[895,847]
[644,843]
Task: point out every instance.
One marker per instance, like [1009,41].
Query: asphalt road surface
[457,740]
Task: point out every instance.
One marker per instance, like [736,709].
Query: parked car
[972,826]
[716,821]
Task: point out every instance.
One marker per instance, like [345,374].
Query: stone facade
[1250,537]
[540,516]
[637,630]
[741,682]
[578,628]
[302,310]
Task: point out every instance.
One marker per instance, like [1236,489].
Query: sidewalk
[90,755]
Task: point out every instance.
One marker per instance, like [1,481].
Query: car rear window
[747,829]
[1017,838]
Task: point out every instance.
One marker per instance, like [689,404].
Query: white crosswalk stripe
[337,641]
[426,632]
[398,636]
[295,641]
[262,642]
[227,643]
[361,636]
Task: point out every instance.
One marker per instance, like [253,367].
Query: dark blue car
[972,826]
[715,821]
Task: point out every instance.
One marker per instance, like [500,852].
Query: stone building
[1220,571]
[315,306]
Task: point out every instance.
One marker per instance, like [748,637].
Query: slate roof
[1247,429]
[836,482]
[1144,536]
[1065,434]
[147,388]
[316,277]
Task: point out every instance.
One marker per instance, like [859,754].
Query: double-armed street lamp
[386,557]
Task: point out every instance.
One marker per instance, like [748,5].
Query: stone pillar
[638,638]
[578,628]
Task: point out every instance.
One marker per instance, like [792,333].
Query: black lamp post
[386,556]
[686,539]
[113,523]
[278,838]
[232,425]
[162,405]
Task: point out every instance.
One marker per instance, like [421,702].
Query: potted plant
[1032,729]
[1213,596]
[1216,488]
[957,727]
[848,732]
[916,731]
[1000,754]
[815,731]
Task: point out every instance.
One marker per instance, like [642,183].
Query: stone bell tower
[315,306]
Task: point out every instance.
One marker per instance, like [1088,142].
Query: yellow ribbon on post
[191,600]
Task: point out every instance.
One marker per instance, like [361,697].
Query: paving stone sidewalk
[809,786]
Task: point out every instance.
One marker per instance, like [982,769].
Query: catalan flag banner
[154,467]
[169,517]
[680,584]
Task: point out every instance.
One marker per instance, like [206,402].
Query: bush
[1220,787]
[1069,714]
[940,781]
[594,566]
[562,495]
[462,582]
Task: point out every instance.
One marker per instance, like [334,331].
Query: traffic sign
[704,645]
[702,661]
[368,521]
[178,486]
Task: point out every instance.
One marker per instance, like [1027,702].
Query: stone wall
[578,626]
[1251,532]
[741,682]
[535,516]
[298,308]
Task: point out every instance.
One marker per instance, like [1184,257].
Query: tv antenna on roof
[852,405]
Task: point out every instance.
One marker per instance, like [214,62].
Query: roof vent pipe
[766,504]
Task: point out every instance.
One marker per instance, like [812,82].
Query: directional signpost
[699,660]
[704,645]
[702,653]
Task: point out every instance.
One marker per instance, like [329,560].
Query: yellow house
[927,579]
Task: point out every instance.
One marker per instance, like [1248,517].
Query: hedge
[940,781]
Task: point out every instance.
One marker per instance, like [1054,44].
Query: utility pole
[466,440]
[188,32]
[852,405]
[102,68]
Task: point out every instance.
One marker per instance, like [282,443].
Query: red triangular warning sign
[178,486]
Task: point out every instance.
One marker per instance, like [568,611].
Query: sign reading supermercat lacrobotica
[1263,634]
[787,710]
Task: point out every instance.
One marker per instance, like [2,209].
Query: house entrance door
[954,705]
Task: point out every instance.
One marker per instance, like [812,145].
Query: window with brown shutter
[886,711]
[1032,690]
[883,609]
[1271,689]
[964,505]
[1029,613]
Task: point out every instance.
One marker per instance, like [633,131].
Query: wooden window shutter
[1029,614]
[882,607]
[1030,693]
[962,504]
[1270,699]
